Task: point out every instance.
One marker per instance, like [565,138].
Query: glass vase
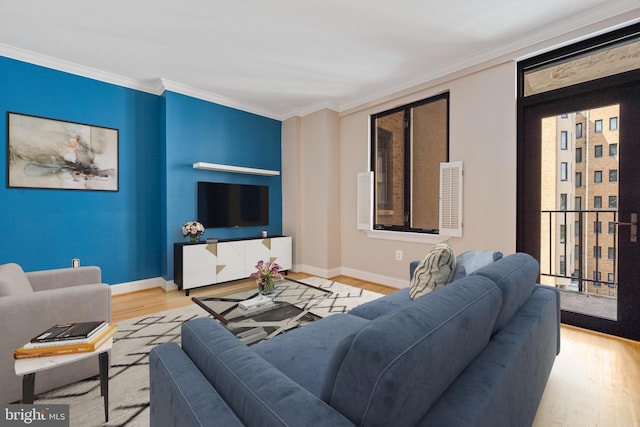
[266,288]
[193,238]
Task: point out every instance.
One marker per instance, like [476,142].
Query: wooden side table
[28,368]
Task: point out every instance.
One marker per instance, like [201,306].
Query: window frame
[405,231]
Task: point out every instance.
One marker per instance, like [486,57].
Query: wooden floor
[595,381]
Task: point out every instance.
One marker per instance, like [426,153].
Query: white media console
[202,264]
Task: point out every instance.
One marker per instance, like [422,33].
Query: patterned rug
[129,372]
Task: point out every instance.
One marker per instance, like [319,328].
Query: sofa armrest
[180,394]
[24,316]
[64,277]
[255,390]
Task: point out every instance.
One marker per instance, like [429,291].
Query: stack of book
[67,338]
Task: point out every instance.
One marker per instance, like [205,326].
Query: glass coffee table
[286,308]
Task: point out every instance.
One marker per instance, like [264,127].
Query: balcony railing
[570,237]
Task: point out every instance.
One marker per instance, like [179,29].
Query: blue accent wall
[200,131]
[129,233]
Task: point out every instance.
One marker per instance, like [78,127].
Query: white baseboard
[139,285]
[357,274]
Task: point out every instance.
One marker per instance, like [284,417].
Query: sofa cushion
[292,352]
[13,280]
[516,276]
[394,369]
[258,393]
[469,261]
[434,271]
[382,305]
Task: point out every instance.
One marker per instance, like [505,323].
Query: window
[563,233]
[613,149]
[578,203]
[597,126]
[563,265]
[612,227]
[597,202]
[563,201]
[613,123]
[564,116]
[578,228]
[578,155]
[578,179]
[563,140]
[611,278]
[597,252]
[613,175]
[597,276]
[564,171]
[597,227]
[578,130]
[597,151]
[576,252]
[611,253]
[613,202]
[408,144]
[597,177]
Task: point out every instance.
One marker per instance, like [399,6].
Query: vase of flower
[192,230]
[266,288]
[266,276]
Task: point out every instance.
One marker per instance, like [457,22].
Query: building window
[597,276]
[611,277]
[578,155]
[563,140]
[563,233]
[597,177]
[597,252]
[576,252]
[613,202]
[611,253]
[613,175]
[563,265]
[578,226]
[578,179]
[578,130]
[563,201]
[612,227]
[408,143]
[597,151]
[564,171]
[613,149]
[613,123]
[597,227]
[578,203]
[597,126]
[597,202]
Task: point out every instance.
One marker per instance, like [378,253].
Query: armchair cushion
[13,281]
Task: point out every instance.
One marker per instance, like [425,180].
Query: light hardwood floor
[595,381]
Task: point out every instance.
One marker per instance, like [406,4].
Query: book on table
[56,348]
[70,331]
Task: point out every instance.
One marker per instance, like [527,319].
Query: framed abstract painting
[48,153]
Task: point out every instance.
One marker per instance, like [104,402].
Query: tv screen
[232,205]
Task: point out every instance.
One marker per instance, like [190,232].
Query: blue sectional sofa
[477,352]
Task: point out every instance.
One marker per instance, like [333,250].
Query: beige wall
[482,135]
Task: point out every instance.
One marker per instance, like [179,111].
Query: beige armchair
[32,302]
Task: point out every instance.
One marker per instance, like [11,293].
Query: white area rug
[129,373]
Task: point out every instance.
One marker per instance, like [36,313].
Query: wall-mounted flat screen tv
[232,205]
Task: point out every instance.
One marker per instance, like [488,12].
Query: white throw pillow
[434,271]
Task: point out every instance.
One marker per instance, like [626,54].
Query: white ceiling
[281,58]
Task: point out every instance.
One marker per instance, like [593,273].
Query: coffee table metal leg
[28,388]
[104,382]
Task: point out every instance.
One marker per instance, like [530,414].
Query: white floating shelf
[234,169]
